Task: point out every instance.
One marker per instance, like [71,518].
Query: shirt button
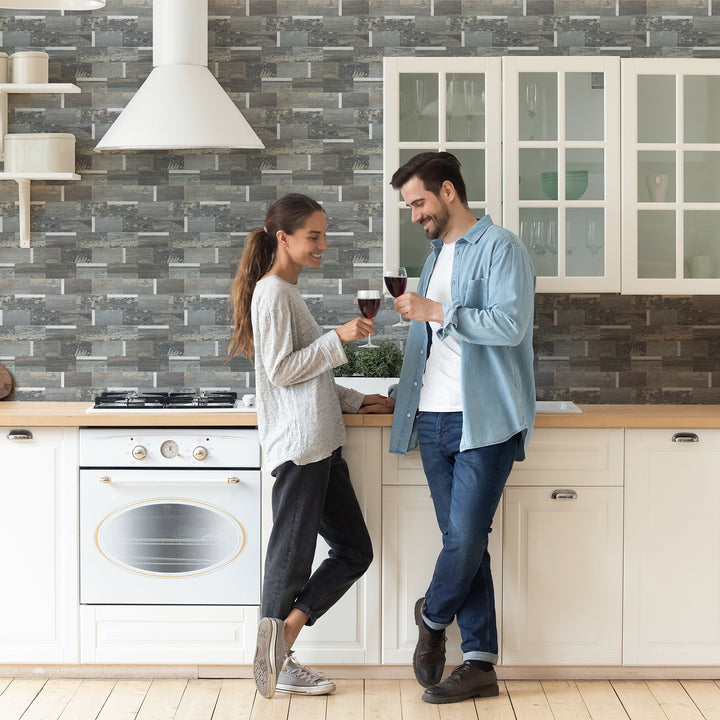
[415,383]
[408,415]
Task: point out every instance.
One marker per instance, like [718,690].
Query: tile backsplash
[127,280]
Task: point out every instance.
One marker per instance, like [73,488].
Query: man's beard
[439,224]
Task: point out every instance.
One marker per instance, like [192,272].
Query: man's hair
[433,169]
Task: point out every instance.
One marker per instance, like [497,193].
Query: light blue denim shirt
[492,292]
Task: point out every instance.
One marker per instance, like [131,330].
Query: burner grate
[114,400]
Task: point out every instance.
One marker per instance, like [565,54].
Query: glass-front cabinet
[561,163]
[671,176]
[448,104]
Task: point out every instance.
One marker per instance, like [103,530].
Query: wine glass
[531,98]
[396,283]
[474,104]
[594,242]
[369,304]
[420,104]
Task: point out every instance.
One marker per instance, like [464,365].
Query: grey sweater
[299,406]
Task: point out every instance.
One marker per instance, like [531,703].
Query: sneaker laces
[302,672]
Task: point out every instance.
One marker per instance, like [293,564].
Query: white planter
[367,385]
[28,67]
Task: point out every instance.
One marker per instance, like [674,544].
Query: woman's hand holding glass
[356,329]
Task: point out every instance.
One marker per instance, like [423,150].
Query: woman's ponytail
[256,260]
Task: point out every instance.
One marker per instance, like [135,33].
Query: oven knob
[139,452]
[200,453]
[169,449]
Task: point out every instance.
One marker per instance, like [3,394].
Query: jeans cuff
[479,655]
[432,625]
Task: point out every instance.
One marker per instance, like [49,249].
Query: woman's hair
[433,169]
[289,214]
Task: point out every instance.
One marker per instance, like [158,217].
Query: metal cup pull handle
[104,479]
[685,437]
[233,480]
[19,435]
[564,495]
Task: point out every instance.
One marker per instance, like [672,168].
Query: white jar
[3,67]
[40,153]
[29,67]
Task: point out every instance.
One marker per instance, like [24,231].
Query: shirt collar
[473,235]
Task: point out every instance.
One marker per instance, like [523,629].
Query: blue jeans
[307,501]
[466,488]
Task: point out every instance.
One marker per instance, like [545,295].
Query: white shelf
[38,88]
[23,180]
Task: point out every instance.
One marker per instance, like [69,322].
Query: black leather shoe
[465,681]
[429,655]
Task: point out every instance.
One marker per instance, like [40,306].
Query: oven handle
[106,480]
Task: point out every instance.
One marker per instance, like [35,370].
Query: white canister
[29,67]
[3,67]
[40,153]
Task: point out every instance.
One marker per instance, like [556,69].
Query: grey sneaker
[297,678]
[270,653]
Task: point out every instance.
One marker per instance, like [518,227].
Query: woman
[301,432]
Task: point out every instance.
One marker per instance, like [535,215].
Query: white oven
[170,516]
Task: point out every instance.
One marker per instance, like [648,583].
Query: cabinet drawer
[569,456]
[400,469]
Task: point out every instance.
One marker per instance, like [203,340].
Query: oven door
[170,537]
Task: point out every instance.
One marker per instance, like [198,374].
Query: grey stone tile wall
[127,280]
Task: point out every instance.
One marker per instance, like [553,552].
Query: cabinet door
[350,631]
[411,543]
[562,581]
[671,176]
[448,104]
[672,548]
[38,534]
[561,163]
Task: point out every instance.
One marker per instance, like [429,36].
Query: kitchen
[126,280]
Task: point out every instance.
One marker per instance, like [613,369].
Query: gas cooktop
[131,400]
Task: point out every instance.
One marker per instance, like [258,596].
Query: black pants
[307,501]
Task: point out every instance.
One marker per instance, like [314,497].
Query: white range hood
[180,106]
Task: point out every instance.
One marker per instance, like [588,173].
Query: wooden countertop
[73,414]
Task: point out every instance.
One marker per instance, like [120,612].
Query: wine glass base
[368,344]
[402,323]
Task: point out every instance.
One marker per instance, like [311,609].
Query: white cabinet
[671,176]
[562,550]
[38,534]
[350,631]
[411,543]
[672,547]
[561,165]
[449,104]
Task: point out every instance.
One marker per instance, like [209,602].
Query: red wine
[395,285]
[369,306]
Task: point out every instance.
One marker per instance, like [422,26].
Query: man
[467,394]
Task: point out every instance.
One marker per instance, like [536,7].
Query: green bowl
[576,182]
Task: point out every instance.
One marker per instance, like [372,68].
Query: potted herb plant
[370,370]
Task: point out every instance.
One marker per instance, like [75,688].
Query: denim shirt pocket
[475,293]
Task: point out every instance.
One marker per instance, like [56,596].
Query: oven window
[170,537]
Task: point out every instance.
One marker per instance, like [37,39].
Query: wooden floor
[53,699]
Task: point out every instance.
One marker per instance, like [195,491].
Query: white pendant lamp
[52,4]
[180,105]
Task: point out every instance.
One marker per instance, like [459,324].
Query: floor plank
[307,707]
[413,708]
[162,700]
[495,708]
[464,710]
[706,696]
[274,709]
[4,682]
[51,700]
[528,700]
[198,700]
[565,700]
[673,700]
[382,699]
[638,701]
[88,701]
[601,700]
[235,701]
[346,703]
[125,700]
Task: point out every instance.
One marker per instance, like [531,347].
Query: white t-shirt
[440,390]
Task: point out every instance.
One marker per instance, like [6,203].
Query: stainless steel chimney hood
[180,106]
